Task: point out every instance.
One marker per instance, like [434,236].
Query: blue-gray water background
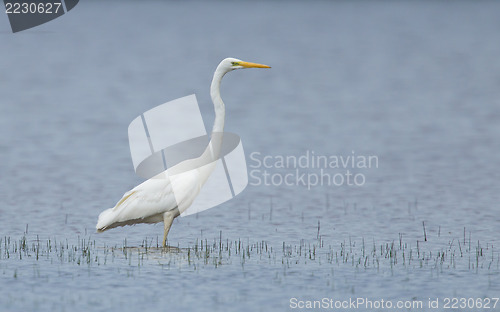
[415,83]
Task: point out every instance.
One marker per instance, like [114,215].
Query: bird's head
[232,63]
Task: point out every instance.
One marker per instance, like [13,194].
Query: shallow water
[414,83]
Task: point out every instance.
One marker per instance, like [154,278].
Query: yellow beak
[252,65]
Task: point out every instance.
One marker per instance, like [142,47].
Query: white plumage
[148,201]
[168,194]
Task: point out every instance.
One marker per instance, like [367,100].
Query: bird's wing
[151,198]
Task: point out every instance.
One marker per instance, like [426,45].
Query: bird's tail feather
[106,218]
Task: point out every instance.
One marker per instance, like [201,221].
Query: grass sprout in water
[457,254]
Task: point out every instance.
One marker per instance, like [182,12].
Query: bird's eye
[234,63]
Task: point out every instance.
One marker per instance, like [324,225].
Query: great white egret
[168,194]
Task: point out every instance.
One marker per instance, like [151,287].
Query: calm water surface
[415,83]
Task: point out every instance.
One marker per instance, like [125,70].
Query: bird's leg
[168,218]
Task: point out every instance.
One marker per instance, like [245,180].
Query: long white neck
[207,160]
[212,152]
[220,110]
